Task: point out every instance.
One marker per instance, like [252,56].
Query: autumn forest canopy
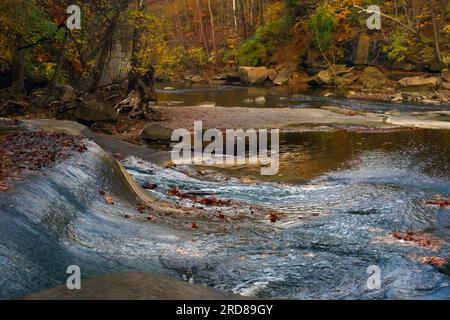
[182,38]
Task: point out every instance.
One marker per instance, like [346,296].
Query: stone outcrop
[92,110]
[156,133]
[418,84]
[372,78]
[253,75]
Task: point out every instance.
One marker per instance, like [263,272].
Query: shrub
[397,49]
[321,24]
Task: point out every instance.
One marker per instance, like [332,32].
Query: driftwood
[140,93]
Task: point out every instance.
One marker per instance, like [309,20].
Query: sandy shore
[305,119]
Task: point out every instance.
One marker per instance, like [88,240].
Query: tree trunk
[261,12]
[202,28]
[213,33]
[103,59]
[435,31]
[136,40]
[18,68]
[444,6]
[241,5]
[236,30]
[59,64]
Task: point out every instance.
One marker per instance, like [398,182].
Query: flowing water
[347,193]
[340,195]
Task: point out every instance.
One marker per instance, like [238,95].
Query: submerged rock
[260,100]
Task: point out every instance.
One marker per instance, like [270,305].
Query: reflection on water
[275,97]
[360,188]
[304,156]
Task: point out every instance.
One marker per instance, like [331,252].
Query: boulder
[418,84]
[156,133]
[283,77]
[253,76]
[94,110]
[340,69]
[446,76]
[260,100]
[362,49]
[273,74]
[372,78]
[67,93]
[344,81]
[232,77]
[323,78]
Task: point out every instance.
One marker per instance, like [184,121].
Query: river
[340,195]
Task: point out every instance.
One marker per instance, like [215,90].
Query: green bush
[268,37]
[321,24]
[251,53]
[398,47]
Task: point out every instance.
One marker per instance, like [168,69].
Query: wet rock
[13,108]
[340,69]
[446,76]
[67,93]
[156,133]
[397,97]
[344,81]
[94,110]
[260,100]
[282,78]
[418,84]
[393,112]
[323,78]
[273,74]
[300,77]
[248,180]
[195,79]
[232,77]
[253,76]
[372,78]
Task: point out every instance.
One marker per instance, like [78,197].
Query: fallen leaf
[108,198]
[194,225]
[274,217]
[4,188]
[141,207]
